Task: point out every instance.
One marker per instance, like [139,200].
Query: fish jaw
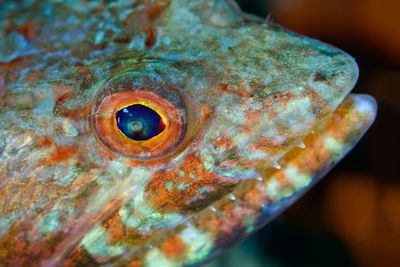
[299,170]
[303,166]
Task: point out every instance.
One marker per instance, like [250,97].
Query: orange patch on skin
[170,199]
[314,156]
[77,255]
[34,75]
[146,14]
[174,248]
[76,114]
[151,36]
[252,121]
[280,176]
[225,222]
[238,90]
[224,142]
[62,93]
[253,115]
[341,121]
[271,114]
[266,144]
[211,224]
[16,64]
[223,87]
[114,226]
[45,141]
[283,99]
[154,11]
[117,231]
[64,97]
[27,30]
[61,154]
[136,263]
[84,71]
[11,65]
[255,197]
[23,252]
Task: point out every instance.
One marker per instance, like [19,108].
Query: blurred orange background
[373,24]
[361,203]
[352,217]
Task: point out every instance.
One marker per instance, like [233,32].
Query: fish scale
[254,116]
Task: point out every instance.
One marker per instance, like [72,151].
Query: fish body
[252,116]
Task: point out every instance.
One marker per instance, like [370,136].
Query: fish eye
[138,122]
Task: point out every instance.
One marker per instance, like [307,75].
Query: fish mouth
[320,150]
[290,177]
[276,188]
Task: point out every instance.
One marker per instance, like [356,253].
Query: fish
[160,133]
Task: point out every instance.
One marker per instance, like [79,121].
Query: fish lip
[369,105]
[364,102]
[355,72]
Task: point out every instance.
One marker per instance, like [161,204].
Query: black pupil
[139,122]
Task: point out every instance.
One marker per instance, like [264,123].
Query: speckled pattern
[256,115]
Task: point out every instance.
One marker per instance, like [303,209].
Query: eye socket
[138,124]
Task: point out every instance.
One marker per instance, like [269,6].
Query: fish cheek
[187,188]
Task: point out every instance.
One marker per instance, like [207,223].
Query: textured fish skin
[250,93]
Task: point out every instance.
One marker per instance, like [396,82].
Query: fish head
[161,132]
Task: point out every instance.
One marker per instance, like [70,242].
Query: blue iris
[139,122]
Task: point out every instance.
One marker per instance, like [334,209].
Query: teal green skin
[64,192]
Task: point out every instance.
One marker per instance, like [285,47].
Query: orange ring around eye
[105,124]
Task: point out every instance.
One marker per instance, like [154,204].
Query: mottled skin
[249,92]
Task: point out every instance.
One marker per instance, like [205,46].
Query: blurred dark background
[352,217]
